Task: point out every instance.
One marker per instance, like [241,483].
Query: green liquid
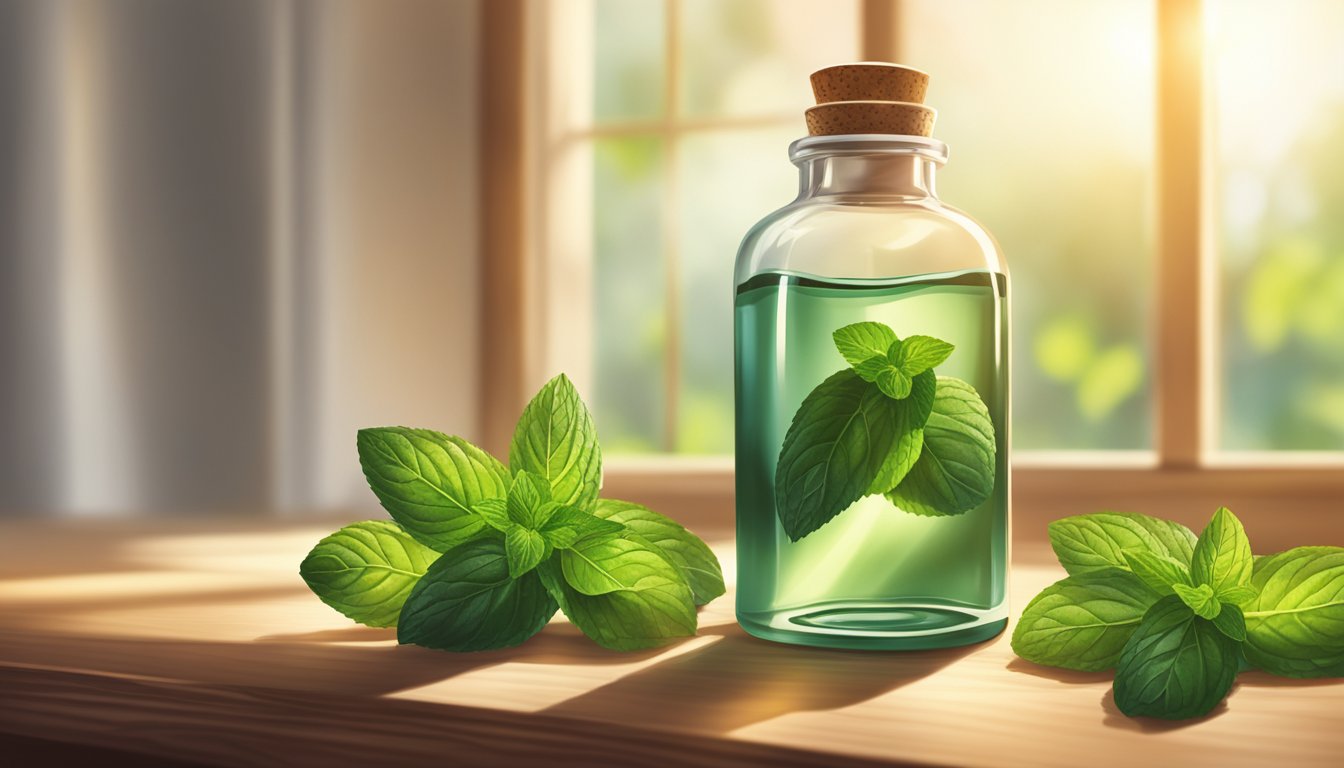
[874,576]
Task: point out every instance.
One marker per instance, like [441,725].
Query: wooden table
[197,642]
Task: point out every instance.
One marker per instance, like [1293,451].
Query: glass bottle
[867,239]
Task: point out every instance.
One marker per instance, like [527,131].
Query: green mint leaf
[1200,599]
[1159,572]
[861,341]
[886,374]
[684,549]
[1295,625]
[1089,543]
[366,570]
[1222,557]
[1176,665]
[911,415]
[656,610]
[835,448]
[956,470]
[529,503]
[525,549]
[569,524]
[1231,622]
[495,513]
[1082,622]
[468,602]
[555,439]
[597,565]
[893,382]
[1238,595]
[429,482]
[873,367]
[922,353]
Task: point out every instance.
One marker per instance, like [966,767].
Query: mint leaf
[467,601]
[838,441]
[1082,622]
[494,512]
[956,470]
[1199,599]
[555,439]
[1238,595]
[885,371]
[1176,665]
[529,503]
[1231,622]
[693,558]
[598,565]
[524,548]
[1295,626]
[861,341]
[366,570]
[1159,572]
[892,381]
[911,415]
[429,482]
[1222,557]
[654,611]
[922,353]
[1089,543]
[894,368]
[569,524]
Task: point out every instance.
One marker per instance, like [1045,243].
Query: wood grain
[198,642]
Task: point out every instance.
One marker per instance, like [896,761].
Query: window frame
[1184,470]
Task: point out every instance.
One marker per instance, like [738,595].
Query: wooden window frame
[1287,495]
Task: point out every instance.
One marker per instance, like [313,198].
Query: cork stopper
[898,117]
[869,81]
[870,97]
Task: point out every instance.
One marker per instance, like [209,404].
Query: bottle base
[877,625]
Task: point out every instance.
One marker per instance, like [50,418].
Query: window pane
[728,181]
[630,294]
[1277,83]
[628,59]
[752,57]
[1047,106]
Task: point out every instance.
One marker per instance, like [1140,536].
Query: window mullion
[1181,296]
[879,27]
[669,242]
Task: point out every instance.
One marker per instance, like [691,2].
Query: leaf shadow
[1259,679]
[1114,718]
[355,634]
[349,661]
[738,680]
[1069,676]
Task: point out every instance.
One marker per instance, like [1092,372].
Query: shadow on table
[1112,717]
[738,680]
[1257,679]
[1069,676]
[730,681]
[354,661]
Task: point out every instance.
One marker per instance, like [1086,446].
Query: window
[664,140]
[1278,223]
[1177,257]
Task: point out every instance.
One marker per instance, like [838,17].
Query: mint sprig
[481,556]
[887,425]
[1175,615]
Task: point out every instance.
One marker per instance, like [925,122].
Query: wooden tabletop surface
[198,642]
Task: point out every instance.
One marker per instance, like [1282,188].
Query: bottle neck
[867,166]
[862,175]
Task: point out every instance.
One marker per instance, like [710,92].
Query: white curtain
[231,233]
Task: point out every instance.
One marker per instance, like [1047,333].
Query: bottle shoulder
[868,238]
